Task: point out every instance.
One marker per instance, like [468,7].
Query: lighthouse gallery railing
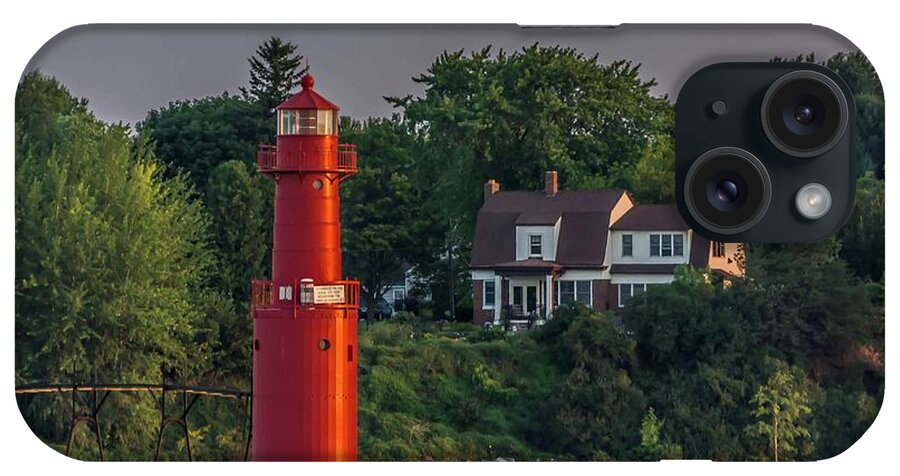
[264,295]
[341,159]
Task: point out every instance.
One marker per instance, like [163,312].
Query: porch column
[498,297]
[548,301]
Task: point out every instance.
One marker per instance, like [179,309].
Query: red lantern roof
[307,98]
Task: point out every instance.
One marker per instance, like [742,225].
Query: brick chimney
[491,187]
[551,183]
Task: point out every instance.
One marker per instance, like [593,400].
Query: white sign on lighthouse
[329,294]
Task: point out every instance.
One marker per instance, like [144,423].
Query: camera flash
[813,201]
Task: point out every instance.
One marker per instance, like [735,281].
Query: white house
[533,250]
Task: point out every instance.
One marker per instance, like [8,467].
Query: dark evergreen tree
[275,69]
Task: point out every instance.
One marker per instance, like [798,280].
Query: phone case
[421,242]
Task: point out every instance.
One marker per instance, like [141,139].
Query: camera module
[804,113]
[727,190]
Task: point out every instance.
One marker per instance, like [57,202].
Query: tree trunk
[372,303]
[776,439]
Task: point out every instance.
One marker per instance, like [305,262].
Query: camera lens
[804,113]
[727,190]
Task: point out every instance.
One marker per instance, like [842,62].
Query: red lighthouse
[305,317]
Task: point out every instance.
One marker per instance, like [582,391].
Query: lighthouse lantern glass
[307,122]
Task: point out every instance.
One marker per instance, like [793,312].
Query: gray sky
[127,70]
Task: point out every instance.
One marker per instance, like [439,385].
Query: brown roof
[582,235]
[538,217]
[651,217]
[530,265]
[699,251]
[642,269]
[582,239]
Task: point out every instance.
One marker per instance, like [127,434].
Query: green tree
[194,136]
[239,202]
[382,221]
[843,413]
[860,75]
[512,116]
[596,409]
[815,312]
[699,342]
[682,323]
[40,100]
[275,70]
[111,266]
[862,237]
[653,177]
[781,409]
[652,442]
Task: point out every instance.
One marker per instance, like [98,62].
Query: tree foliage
[860,75]
[781,409]
[816,313]
[111,258]
[40,100]
[194,136]
[382,222]
[862,237]
[512,116]
[596,409]
[653,177]
[239,203]
[275,70]
[653,444]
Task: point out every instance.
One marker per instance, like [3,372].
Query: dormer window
[627,243]
[535,246]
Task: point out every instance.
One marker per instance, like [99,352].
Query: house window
[718,249]
[626,245]
[489,295]
[566,292]
[629,290]
[573,291]
[398,297]
[667,245]
[535,245]
[583,292]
